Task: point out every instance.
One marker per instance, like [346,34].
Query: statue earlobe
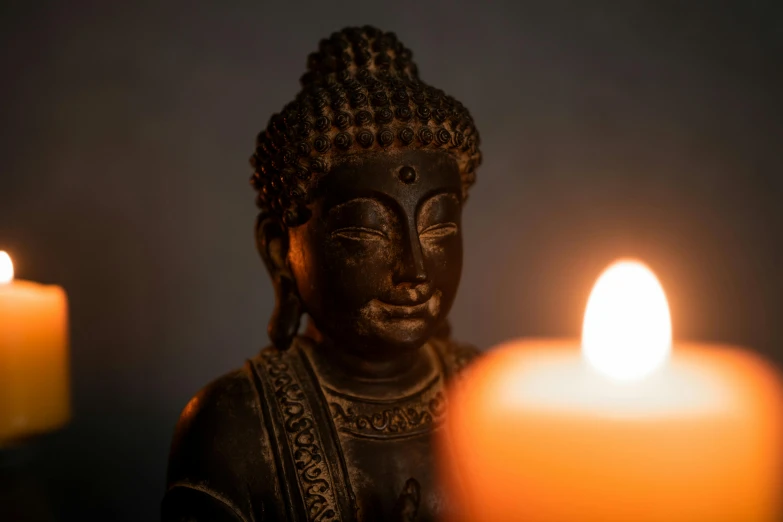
[272,244]
[284,323]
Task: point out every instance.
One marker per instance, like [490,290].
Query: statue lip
[427,307]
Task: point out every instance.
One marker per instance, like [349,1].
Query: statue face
[378,264]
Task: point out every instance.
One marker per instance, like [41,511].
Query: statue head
[361,181]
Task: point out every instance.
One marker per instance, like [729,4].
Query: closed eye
[359,234]
[438,231]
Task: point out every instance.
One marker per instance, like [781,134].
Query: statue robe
[271,442]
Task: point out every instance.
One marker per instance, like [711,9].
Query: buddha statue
[361,182]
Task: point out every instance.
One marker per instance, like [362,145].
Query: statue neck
[341,369]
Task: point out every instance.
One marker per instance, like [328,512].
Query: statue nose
[412,269]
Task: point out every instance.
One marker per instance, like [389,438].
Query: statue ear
[272,244]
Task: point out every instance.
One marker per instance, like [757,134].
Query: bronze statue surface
[361,182]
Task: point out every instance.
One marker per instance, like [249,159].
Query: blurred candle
[625,430]
[34,384]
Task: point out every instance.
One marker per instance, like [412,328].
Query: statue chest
[346,458]
[387,442]
[378,471]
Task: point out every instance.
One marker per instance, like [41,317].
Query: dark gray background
[650,129]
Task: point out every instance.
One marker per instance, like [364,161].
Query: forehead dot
[407,174]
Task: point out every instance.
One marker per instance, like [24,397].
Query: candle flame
[6,268]
[627,331]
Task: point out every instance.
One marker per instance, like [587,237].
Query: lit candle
[34,387]
[626,430]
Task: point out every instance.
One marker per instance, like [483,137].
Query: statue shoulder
[218,446]
[218,412]
[455,355]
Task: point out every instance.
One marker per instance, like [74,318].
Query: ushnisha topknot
[361,93]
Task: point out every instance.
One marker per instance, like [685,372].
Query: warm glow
[627,330]
[6,268]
